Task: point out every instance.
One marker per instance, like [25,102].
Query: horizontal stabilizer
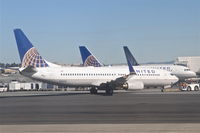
[29,69]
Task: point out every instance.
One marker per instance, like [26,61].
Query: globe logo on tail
[33,58]
[91,61]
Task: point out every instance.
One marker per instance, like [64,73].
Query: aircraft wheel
[189,88]
[196,88]
[93,90]
[109,91]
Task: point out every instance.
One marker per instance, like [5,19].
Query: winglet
[131,57]
[87,58]
[129,62]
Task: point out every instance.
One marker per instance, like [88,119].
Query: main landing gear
[109,91]
[93,90]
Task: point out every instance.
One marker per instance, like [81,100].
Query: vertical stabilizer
[130,56]
[87,58]
[129,61]
[28,54]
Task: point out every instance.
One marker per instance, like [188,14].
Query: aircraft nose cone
[190,74]
[193,74]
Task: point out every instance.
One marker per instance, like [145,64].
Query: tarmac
[140,111]
[101,128]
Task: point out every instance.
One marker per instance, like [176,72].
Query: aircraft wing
[118,82]
[121,80]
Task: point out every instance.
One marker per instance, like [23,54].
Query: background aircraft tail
[130,61]
[87,58]
[28,54]
[130,56]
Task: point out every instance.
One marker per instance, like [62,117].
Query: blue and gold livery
[88,58]
[28,54]
[91,61]
[32,58]
[129,55]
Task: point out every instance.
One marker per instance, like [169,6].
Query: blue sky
[154,30]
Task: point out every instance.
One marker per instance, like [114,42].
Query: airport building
[17,82]
[16,86]
[9,71]
[193,62]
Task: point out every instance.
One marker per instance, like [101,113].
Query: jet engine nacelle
[135,85]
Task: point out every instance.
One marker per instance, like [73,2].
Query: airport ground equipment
[3,88]
[189,86]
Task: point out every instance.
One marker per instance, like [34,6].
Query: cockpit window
[186,69]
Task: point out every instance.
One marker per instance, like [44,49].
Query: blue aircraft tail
[87,58]
[130,60]
[28,54]
[130,56]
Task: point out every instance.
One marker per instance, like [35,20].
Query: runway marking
[105,128]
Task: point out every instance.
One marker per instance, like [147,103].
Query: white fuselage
[181,72]
[95,76]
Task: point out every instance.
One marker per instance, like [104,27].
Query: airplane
[181,72]
[97,78]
